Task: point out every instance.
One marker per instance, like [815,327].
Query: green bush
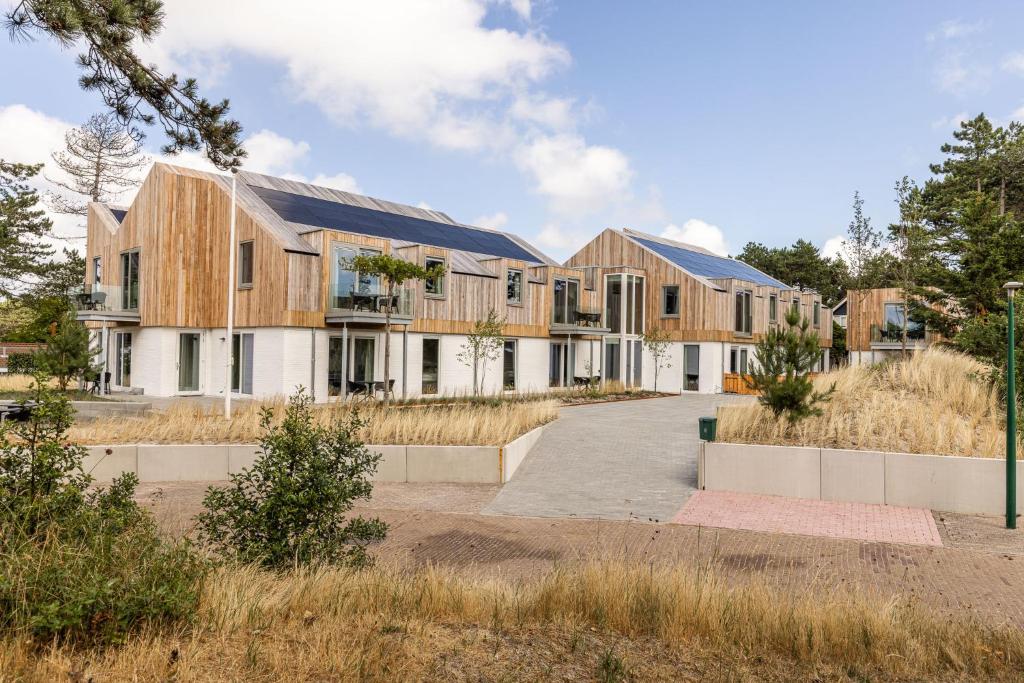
[21,363]
[77,562]
[290,507]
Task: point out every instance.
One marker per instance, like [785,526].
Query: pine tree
[101,160]
[68,353]
[23,225]
[136,92]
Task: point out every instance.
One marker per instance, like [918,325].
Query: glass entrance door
[123,360]
[562,366]
[362,359]
[188,362]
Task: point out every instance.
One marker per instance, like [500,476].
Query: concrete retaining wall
[215,462]
[90,410]
[937,482]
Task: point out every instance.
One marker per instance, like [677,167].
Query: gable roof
[701,262]
[306,208]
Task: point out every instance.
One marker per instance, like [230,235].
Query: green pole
[1011,416]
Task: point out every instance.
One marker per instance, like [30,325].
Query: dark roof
[708,265]
[324,213]
[119,214]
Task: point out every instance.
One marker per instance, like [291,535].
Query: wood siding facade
[865,308]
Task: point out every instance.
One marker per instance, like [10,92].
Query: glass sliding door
[562,366]
[431,362]
[691,367]
[611,361]
[241,363]
[123,360]
[508,374]
[130,280]
[335,366]
[188,362]
[362,359]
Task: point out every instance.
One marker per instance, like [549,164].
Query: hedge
[21,363]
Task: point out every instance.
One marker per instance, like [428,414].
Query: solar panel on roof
[324,213]
[709,266]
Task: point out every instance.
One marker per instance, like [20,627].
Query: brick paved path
[624,460]
[888,523]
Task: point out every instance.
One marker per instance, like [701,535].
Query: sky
[713,123]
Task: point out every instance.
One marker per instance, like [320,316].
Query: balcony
[578,322]
[370,306]
[891,336]
[107,303]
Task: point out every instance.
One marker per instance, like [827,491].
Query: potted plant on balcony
[393,272]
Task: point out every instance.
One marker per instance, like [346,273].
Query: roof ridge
[673,243]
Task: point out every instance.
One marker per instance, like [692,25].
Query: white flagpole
[231,302]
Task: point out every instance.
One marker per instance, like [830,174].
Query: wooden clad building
[158,277]
[878,325]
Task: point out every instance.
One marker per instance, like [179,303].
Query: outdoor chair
[99,300]
[359,390]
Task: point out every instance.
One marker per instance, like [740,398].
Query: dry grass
[649,622]
[936,401]
[12,383]
[477,424]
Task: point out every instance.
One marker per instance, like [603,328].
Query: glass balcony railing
[892,334]
[577,318]
[100,297]
[373,301]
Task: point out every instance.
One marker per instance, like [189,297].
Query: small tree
[657,342]
[908,242]
[394,272]
[67,353]
[289,507]
[484,344]
[782,360]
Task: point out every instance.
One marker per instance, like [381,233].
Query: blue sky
[716,123]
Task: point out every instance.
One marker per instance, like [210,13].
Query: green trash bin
[708,428]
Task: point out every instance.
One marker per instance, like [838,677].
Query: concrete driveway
[629,459]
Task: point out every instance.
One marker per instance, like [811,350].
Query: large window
[612,360]
[347,284]
[670,300]
[567,294]
[123,360]
[362,359]
[130,280]
[434,286]
[691,367]
[431,363]
[613,303]
[896,319]
[241,363]
[744,314]
[773,308]
[508,374]
[515,286]
[188,362]
[97,269]
[335,366]
[245,265]
[562,365]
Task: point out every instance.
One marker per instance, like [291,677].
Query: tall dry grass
[10,382]
[476,424]
[935,401]
[385,624]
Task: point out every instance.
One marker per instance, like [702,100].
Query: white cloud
[521,7]
[956,75]
[554,112]
[699,233]
[955,28]
[1014,63]
[833,247]
[950,122]
[495,221]
[577,178]
[559,241]
[338,181]
[273,154]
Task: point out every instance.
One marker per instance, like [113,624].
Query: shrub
[80,563]
[782,361]
[289,508]
[21,363]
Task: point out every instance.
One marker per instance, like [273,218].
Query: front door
[123,360]
[188,362]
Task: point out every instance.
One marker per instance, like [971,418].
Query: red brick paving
[831,519]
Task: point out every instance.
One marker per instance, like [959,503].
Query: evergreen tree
[909,244]
[136,92]
[67,353]
[101,160]
[801,265]
[23,226]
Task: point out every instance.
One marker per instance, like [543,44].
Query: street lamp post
[1011,410]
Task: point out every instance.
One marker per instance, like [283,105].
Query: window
[509,365]
[773,308]
[566,301]
[896,320]
[97,270]
[130,280]
[347,285]
[817,313]
[691,367]
[434,286]
[670,300]
[431,362]
[241,363]
[796,304]
[562,364]
[744,316]
[743,361]
[515,286]
[188,362]
[734,364]
[245,265]
[123,360]
[362,359]
[613,303]
[612,360]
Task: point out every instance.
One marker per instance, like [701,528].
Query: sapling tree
[395,272]
[68,352]
[658,343]
[780,375]
[290,508]
[484,344]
